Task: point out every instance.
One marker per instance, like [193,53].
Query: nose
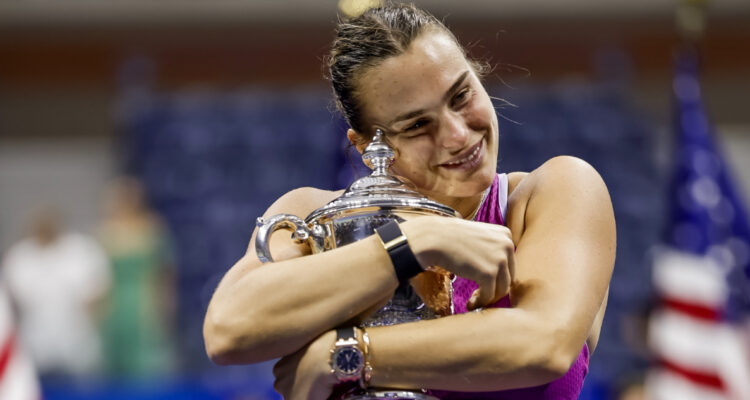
[453,132]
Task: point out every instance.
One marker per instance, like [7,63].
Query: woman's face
[437,115]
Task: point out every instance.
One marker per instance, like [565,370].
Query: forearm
[276,309]
[495,349]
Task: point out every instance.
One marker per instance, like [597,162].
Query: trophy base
[373,394]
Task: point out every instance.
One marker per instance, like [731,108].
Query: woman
[398,69]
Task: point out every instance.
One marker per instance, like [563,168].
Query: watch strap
[345,333]
[404,261]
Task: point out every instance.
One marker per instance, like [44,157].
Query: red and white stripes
[700,356]
[18,379]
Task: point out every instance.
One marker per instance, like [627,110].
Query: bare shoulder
[302,201]
[563,184]
[567,176]
[514,178]
[566,173]
[299,202]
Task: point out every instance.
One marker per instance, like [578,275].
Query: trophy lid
[380,189]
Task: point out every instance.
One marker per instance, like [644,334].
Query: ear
[357,140]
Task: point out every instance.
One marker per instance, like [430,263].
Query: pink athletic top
[568,387]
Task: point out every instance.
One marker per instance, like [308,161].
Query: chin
[485,174]
[482,181]
[475,183]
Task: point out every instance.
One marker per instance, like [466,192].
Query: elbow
[560,355]
[217,342]
[543,370]
[222,342]
[554,358]
[558,364]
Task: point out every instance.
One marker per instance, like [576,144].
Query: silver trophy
[369,203]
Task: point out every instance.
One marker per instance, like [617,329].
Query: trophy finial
[378,155]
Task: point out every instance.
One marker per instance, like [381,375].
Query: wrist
[347,360]
[322,346]
[396,244]
[418,231]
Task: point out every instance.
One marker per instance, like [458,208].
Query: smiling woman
[528,240]
[445,128]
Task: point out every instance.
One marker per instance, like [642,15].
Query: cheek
[479,115]
[411,160]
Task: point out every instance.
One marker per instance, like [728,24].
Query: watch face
[348,361]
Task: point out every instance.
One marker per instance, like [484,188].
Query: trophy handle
[314,237]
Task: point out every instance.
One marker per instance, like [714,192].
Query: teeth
[471,156]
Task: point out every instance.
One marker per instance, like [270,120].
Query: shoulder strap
[502,194]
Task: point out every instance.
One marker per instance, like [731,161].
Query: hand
[477,251]
[306,374]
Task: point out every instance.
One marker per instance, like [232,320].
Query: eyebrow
[448,93]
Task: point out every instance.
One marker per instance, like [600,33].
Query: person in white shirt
[55,279]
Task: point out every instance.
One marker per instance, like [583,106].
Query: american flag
[18,379]
[699,331]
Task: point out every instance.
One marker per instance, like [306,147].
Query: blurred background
[139,141]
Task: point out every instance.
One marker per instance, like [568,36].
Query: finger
[487,287]
[281,387]
[506,268]
[279,367]
[506,276]
[510,252]
[278,384]
[503,283]
[283,376]
[472,303]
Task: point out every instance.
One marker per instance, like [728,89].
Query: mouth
[468,159]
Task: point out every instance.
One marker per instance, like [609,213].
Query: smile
[468,160]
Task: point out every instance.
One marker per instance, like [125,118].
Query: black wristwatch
[404,261]
[347,359]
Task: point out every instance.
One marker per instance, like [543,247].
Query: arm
[262,311]
[564,230]
[564,259]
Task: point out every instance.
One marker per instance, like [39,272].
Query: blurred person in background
[138,327]
[542,278]
[18,379]
[56,280]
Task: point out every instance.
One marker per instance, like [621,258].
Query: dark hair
[367,40]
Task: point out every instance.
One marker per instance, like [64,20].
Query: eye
[461,97]
[416,125]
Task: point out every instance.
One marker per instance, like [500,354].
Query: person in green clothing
[137,332]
